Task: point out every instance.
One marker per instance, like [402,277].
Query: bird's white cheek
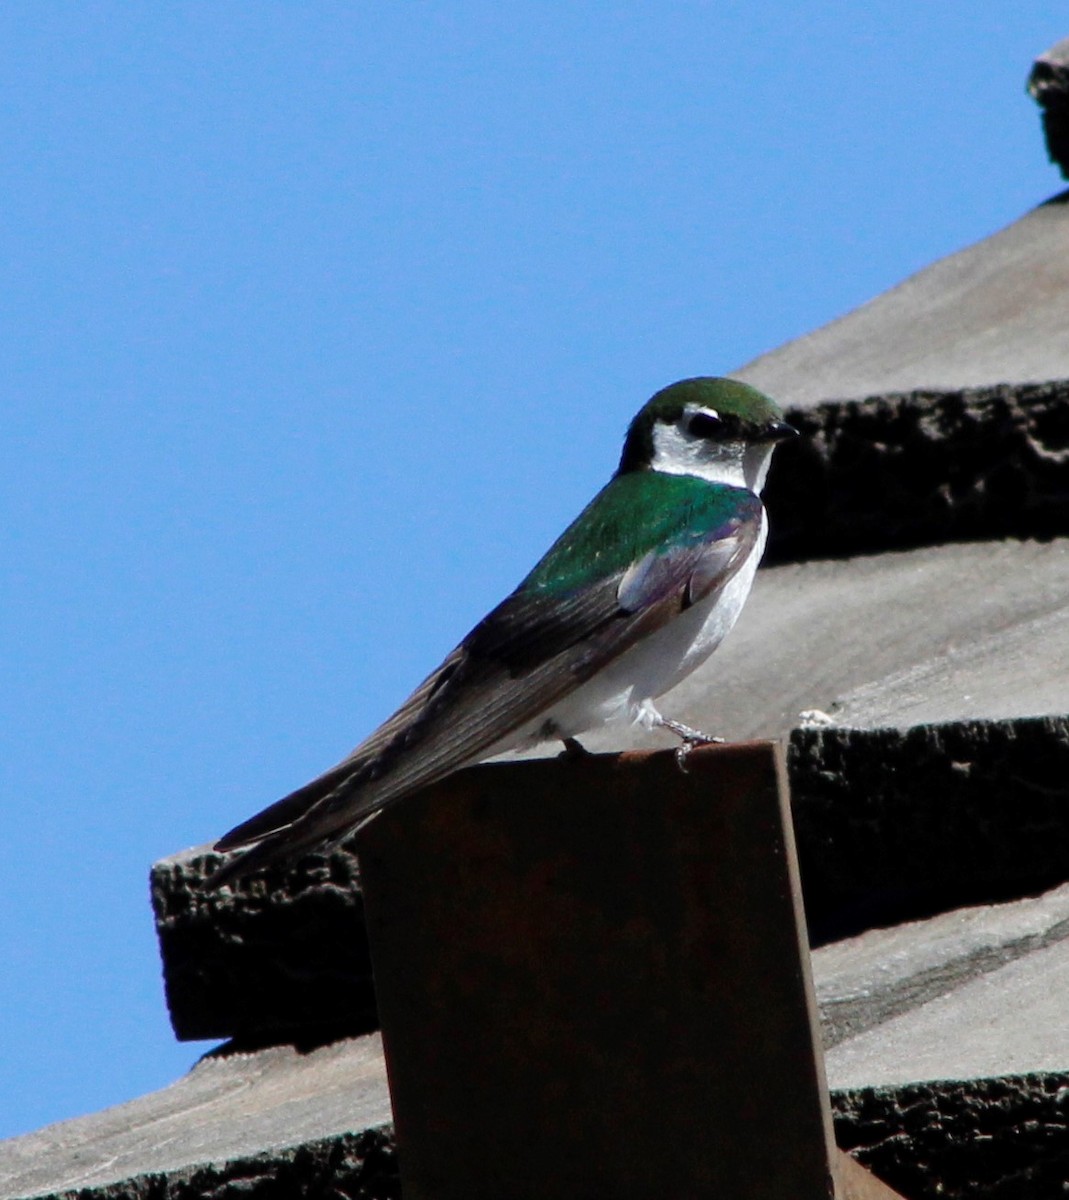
[674,453]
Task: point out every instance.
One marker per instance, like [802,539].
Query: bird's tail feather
[285,812]
[283,830]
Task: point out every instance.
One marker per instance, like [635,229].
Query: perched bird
[637,592]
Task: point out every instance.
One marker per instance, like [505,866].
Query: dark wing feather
[533,649]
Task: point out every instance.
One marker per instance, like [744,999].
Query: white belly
[627,688]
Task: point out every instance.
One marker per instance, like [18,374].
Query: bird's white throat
[737,463]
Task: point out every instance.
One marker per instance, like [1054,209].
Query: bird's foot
[574,750]
[689,738]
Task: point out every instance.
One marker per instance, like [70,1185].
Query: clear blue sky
[320,320]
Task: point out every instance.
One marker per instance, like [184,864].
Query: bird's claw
[574,750]
[689,738]
[683,753]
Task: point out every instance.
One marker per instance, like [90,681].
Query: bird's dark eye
[704,425]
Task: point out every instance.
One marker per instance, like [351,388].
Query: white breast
[627,688]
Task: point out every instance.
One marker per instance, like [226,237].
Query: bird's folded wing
[533,649]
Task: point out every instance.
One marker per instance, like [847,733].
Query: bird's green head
[708,426]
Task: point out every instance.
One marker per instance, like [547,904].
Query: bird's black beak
[780,431]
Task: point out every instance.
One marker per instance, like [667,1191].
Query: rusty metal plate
[593,982]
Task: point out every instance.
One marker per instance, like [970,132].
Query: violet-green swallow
[637,592]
